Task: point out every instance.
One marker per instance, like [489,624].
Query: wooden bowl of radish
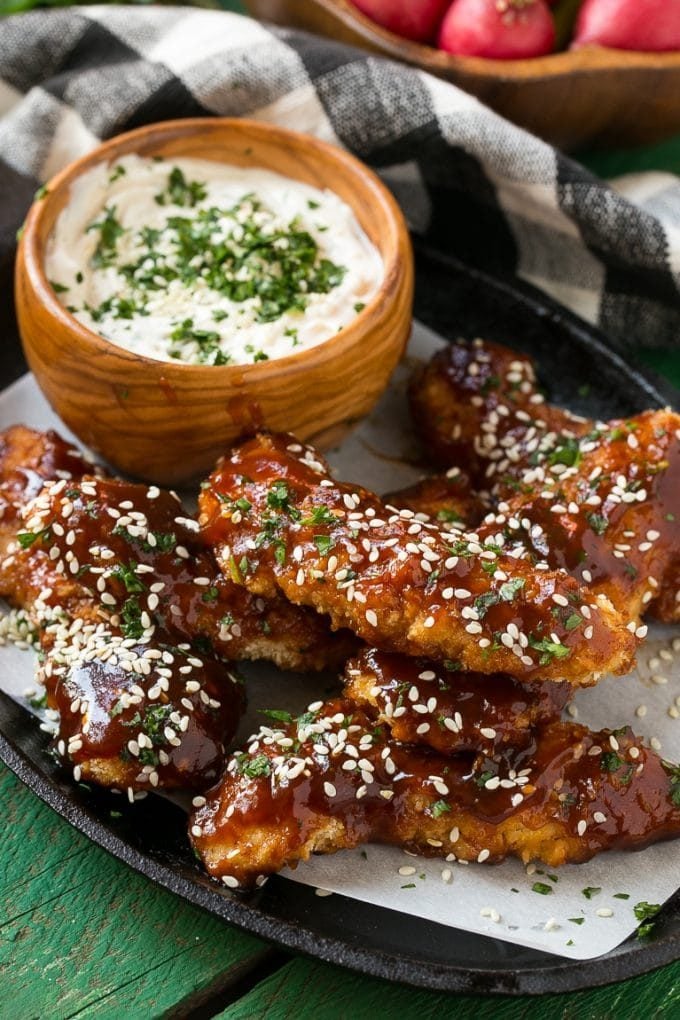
[574,72]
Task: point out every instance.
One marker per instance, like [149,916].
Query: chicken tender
[438,706]
[281,525]
[598,500]
[134,621]
[332,780]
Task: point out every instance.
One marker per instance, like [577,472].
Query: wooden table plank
[83,935]
[303,990]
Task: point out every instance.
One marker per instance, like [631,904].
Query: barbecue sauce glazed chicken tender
[434,704]
[134,620]
[600,500]
[281,525]
[334,779]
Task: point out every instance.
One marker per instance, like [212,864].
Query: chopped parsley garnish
[674,773]
[449,516]
[155,720]
[542,887]
[491,383]
[253,767]
[591,890]
[549,650]
[509,589]
[127,576]
[598,523]
[568,453]
[484,778]
[359,306]
[131,622]
[27,538]
[278,498]
[610,762]
[109,231]
[180,191]
[242,504]
[207,340]
[577,920]
[277,714]
[484,602]
[646,912]
[572,621]
[165,541]
[117,172]
[211,595]
[621,896]
[440,807]
[320,515]
[323,543]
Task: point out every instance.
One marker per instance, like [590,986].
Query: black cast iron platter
[578,371]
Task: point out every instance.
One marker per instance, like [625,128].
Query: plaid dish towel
[470,183]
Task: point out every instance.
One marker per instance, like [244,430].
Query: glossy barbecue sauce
[128,605]
[279,522]
[437,705]
[277,802]
[599,500]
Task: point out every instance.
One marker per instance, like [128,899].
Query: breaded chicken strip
[27,460]
[133,619]
[281,525]
[599,500]
[332,779]
[90,551]
[438,706]
[137,713]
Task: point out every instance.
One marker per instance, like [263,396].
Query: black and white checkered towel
[470,182]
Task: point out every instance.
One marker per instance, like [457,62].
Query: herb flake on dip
[207,263]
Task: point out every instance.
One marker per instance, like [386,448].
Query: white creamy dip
[208,263]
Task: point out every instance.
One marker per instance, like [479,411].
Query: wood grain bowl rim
[394,232]
[588,60]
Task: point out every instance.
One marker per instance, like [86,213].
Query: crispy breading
[439,706]
[197,602]
[599,500]
[333,779]
[280,524]
[134,620]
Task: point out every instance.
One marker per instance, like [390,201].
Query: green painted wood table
[83,936]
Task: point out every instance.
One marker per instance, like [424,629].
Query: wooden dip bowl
[576,98]
[168,422]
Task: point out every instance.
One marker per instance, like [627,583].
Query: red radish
[417,20]
[629,24]
[501,29]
